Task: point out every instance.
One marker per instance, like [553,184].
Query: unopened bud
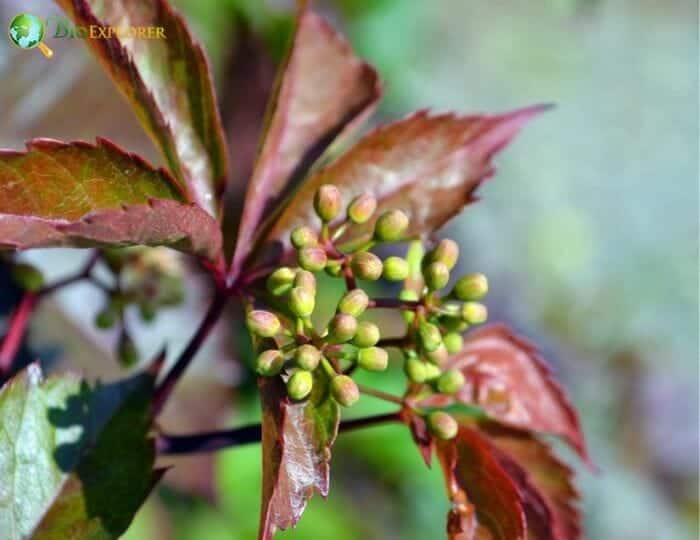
[303,236]
[361,208]
[301,302]
[126,351]
[148,311]
[300,384]
[450,382]
[430,336]
[391,226]
[474,313]
[442,425]
[454,323]
[447,252]
[408,295]
[28,277]
[263,323]
[373,359]
[307,357]
[439,356]
[367,334]
[354,303]
[280,281]
[432,372]
[269,363]
[106,318]
[471,287]
[366,266]
[395,269]
[312,259]
[333,268]
[306,280]
[344,390]
[415,370]
[342,328]
[327,202]
[436,275]
[453,342]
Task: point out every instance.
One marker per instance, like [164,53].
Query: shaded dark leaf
[323,91]
[79,194]
[169,85]
[79,460]
[509,380]
[296,441]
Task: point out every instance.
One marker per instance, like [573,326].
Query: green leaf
[323,91]
[296,443]
[79,194]
[76,462]
[169,85]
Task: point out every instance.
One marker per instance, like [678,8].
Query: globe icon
[27,31]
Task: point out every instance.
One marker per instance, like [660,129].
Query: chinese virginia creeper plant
[77,461]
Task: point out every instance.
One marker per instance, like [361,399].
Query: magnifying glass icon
[26,31]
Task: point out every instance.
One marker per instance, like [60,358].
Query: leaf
[76,462]
[509,380]
[427,165]
[296,443]
[168,84]
[79,194]
[420,434]
[323,91]
[543,479]
[484,498]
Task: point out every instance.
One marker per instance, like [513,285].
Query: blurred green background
[589,235]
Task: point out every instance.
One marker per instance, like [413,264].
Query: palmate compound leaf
[76,462]
[296,443]
[428,165]
[323,91]
[80,194]
[167,81]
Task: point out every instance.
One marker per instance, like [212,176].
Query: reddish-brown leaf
[507,378]
[79,194]
[427,165]
[168,84]
[546,483]
[421,435]
[485,500]
[296,441]
[323,91]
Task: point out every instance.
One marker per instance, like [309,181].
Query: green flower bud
[280,281]
[415,370]
[367,334]
[333,268]
[362,208]
[307,357]
[439,356]
[436,275]
[454,324]
[366,266]
[354,303]
[301,302]
[409,296]
[172,290]
[303,236]
[390,226]
[327,202]
[269,363]
[306,280]
[442,425]
[471,287]
[114,258]
[432,372]
[474,313]
[300,384]
[28,277]
[430,336]
[106,318]
[263,323]
[312,259]
[450,382]
[395,269]
[453,342]
[127,352]
[342,328]
[344,390]
[373,359]
[148,311]
[447,252]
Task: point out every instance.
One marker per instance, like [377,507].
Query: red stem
[394,303]
[15,332]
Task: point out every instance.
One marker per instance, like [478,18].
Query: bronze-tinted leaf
[169,85]
[323,90]
[296,441]
[427,165]
[420,434]
[485,501]
[511,382]
[79,194]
